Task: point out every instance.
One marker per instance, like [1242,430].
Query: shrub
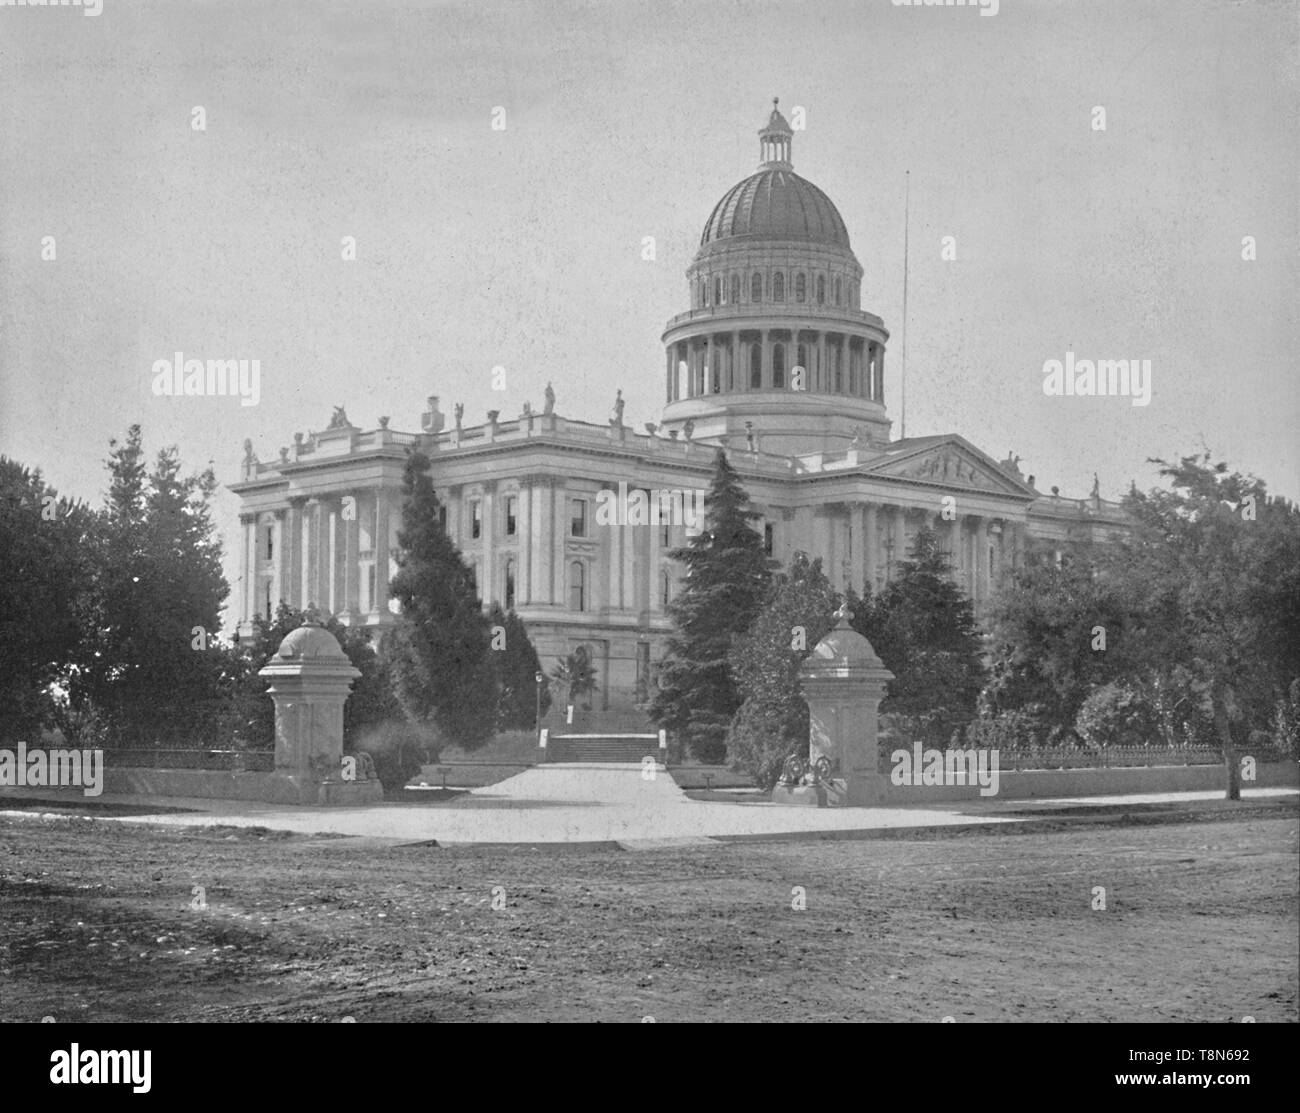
[400,751]
[1116,715]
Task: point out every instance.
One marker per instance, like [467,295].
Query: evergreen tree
[923,628]
[149,666]
[727,576]
[440,649]
[516,665]
[772,722]
[49,549]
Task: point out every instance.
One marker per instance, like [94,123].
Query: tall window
[768,538]
[735,288]
[755,365]
[577,587]
[839,369]
[839,291]
[821,289]
[476,519]
[442,516]
[578,518]
[756,288]
[512,508]
[778,287]
[665,589]
[665,535]
[717,291]
[801,360]
[801,288]
[510,584]
[778,365]
[371,603]
[270,542]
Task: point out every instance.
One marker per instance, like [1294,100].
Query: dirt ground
[1201,924]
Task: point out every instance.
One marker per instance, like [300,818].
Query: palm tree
[578,675]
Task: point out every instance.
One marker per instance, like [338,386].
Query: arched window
[801,360]
[717,291]
[665,589]
[801,288]
[755,365]
[577,593]
[837,360]
[510,584]
[839,291]
[704,291]
[778,365]
[756,288]
[821,289]
[735,288]
[778,287]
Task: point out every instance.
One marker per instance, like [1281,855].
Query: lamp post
[537,715]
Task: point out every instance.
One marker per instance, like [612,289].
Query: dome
[310,640]
[776,204]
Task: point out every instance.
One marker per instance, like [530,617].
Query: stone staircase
[601,748]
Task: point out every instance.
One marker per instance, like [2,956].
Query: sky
[522,247]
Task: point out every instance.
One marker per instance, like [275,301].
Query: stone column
[524,542]
[383,573]
[315,518]
[857,545]
[291,543]
[653,561]
[542,526]
[488,588]
[981,559]
[560,502]
[668,375]
[283,557]
[870,545]
[247,566]
[352,559]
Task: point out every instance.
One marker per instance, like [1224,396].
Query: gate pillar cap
[843,652]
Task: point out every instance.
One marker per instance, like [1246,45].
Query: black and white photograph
[650,511]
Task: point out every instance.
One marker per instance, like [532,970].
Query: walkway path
[599,803]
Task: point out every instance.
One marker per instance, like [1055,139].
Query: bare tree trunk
[1222,699]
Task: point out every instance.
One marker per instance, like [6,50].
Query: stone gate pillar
[843,683]
[310,678]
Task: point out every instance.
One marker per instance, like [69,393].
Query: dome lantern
[774,141]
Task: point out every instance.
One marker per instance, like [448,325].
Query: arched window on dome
[756,287]
[801,290]
[704,292]
[717,291]
[778,366]
[855,295]
[735,288]
[755,366]
[778,287]
[821,289]
[839,291]
[837,361]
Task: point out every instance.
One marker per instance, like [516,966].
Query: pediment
[951,463]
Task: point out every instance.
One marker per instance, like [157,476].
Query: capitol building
[775,360]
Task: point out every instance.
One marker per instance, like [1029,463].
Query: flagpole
[907,199]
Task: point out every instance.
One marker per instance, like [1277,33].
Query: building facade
[570,522]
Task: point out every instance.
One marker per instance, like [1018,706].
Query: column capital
[247,518]
[297,502]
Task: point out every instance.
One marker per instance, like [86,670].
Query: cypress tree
[439,650]
[727,576]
